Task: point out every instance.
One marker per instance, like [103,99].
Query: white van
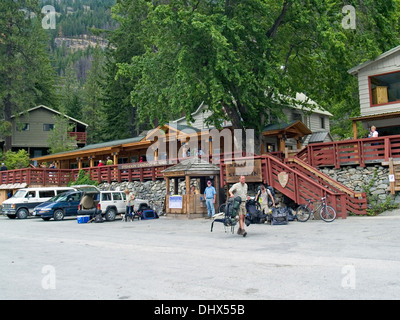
[22,203]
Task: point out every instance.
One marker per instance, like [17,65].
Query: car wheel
[58,215]
[22,213]
[110,214]
[11,216]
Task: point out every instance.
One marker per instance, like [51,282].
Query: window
[106,197]
[116,196]
[61,191]
[296,116]
[30,194]
[46,194]
[322,119]
[385,88]
[23,127]
[48,127]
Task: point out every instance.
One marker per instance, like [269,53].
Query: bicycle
[327,213]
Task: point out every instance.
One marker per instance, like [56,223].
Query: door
[31,200]
[106,200]
[71,207]
[118,201]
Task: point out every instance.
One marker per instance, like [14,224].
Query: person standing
[373,133]
[129,203]
[264,195]
[3,167]
[240,190]
[210,195]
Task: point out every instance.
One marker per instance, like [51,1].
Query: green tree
[59,140]
[92,110]
[16,160]
[124,44]
[25,71]
[246,58]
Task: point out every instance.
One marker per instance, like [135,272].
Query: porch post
[355,133]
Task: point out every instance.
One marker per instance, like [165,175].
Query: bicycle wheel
[327,213]
[303,213]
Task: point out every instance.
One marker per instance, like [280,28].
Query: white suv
[107,203]
[113,203]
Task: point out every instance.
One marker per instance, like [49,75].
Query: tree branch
[272,32]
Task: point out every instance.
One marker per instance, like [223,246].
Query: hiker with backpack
[265,196]
[240,189]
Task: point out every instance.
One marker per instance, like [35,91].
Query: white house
[312,124]
[379,90]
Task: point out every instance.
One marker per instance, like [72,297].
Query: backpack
[254,215]
[232,208]
[230,214]
[279,216]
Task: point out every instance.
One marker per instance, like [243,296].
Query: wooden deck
[351,152]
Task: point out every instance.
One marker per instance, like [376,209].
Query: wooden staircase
[306,182]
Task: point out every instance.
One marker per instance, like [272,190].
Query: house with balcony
[30,130]
[379,90]
[306,123]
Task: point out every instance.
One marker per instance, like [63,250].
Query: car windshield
[19,194]
[59,198]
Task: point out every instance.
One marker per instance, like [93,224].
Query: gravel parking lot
[356,258]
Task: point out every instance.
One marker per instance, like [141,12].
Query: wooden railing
[81,137]
[304,181]
[302,185]
[356,202]
[351,152]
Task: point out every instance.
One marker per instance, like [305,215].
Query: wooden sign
[250,169]
[283,178]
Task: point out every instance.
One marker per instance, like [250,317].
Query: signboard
[137,165]
[175,202]
[251,169]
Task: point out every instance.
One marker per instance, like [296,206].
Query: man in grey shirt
[240,190]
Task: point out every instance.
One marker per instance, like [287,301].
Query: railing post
[387,149]
[336,155]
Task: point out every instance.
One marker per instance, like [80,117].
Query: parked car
[106,203]
[22,203]
[58,207]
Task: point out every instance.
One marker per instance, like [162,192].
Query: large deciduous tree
[246,58]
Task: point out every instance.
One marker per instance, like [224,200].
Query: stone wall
[357,178]
[152,191]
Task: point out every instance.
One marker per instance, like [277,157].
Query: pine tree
[25,71]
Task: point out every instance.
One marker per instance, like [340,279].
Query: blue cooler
[83,219]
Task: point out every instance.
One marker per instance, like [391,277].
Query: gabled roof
[292,128]
[53,111]
[191,167]
[354,71]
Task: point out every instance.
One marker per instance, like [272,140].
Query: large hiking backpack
[230,213]
[254,214]
[279,216]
